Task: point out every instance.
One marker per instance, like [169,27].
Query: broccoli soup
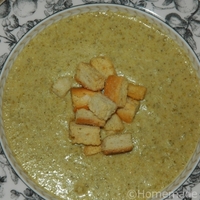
[164,131]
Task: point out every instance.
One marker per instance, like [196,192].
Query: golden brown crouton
[136,92]
[116,89]
[89,77]
[84,134]
[102,106]
[114,124]
[81,97]
[87,117]
[117,143]
[128,112]
[104,65]
[62,86]
[91,150]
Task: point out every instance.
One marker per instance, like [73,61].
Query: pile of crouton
[104,101]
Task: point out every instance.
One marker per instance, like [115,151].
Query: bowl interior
[74,11]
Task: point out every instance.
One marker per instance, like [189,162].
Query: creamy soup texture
[165,131]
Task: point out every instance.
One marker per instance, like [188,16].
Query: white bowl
[74,11]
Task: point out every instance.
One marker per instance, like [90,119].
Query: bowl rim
[193,161]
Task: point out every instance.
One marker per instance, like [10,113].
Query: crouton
[114,124]
[87,117]
[89,77]
[105,133]
[81,97]
[102,106]
[91,150]
[128,112]
[84,134]
[136,92]
[62,86]
[117,143]
[104,65]
[116,89]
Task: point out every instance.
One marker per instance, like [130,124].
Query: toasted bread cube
[128,112]
[81,97]
[84,134]
[87,117]
[102,106]
[117,143]
[62,86]
[104,65]
[89,77]
[104,133]
[116,89]
[114,124]
[91,150]
[136,92]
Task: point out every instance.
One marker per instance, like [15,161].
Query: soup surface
[165,131]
